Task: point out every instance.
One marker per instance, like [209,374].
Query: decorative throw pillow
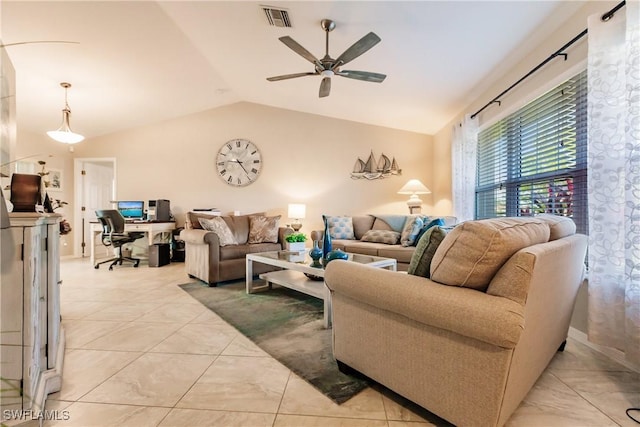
[427,225]
[420,264]
[412,227]
[263,229]
[340,227]
[218,226]
[387,237]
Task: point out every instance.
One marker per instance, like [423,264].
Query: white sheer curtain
[614,181]
[464,148]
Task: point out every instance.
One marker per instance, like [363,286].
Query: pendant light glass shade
[64,133]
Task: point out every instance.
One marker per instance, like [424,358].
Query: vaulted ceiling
[134,63]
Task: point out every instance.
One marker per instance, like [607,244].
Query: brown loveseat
[470,342]
[364,223]
[207,260]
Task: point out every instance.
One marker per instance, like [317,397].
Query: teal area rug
[286,324]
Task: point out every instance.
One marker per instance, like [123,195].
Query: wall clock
[239,162]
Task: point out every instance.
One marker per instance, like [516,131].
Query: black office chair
[113,234]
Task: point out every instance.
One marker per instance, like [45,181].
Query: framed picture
[55,180]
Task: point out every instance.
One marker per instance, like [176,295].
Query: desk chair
[113,234]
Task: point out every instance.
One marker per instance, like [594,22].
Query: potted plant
[294,242]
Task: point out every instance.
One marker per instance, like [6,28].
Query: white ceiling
[140,62]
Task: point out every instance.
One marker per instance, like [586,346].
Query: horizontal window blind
[535,160]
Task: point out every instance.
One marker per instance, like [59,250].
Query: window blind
[535,160]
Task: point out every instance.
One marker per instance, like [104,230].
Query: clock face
[239,162]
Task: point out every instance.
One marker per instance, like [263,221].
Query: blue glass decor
[326,240]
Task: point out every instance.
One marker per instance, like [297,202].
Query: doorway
[95,188]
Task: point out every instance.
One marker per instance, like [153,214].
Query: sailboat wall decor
[372,169]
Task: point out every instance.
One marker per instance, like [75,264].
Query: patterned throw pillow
[340,227]
[387,237]
[263,229]
[218,226]
[412,227]
[420,264]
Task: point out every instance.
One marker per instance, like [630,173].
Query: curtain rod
[560,52]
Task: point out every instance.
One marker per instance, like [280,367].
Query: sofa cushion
[391,222]
[220,227]
[559,226]
[340,227]
[240,251]
[358,247]
[513,279]
[412,227]
[192,222]
[420,264]
[387,237]
[472,253]
[399,253]
[362,224]
[263,229]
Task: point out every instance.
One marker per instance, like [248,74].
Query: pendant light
[64,133]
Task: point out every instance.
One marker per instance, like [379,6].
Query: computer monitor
[131,209]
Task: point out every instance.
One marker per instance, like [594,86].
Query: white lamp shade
[414,186]
[297,210]
[64,133]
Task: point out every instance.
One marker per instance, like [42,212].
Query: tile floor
[141,352]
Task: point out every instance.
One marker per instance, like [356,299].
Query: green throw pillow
[425,249]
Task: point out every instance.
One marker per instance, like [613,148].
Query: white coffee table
[295,264]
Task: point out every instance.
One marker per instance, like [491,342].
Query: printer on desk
[159,210]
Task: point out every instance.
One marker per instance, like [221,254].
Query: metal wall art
[372,169]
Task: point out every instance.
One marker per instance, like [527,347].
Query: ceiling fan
[329,67]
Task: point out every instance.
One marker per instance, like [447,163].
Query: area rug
[286,324]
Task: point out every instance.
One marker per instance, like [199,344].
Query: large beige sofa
[207,260]
[468,350]
[364,223]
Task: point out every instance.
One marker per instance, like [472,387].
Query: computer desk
[157,232]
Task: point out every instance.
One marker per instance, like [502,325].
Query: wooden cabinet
[32,341]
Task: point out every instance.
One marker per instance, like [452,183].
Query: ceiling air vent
[277,17]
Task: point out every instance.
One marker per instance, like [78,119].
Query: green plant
[296,237]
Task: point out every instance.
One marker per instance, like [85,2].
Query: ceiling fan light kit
[327,67]
[64,133]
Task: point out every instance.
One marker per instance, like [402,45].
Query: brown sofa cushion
[474,251]
[560,226]
[192,219]
[362,224]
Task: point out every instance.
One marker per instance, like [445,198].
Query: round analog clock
[239,162]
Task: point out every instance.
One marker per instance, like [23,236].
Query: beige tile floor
[141,352]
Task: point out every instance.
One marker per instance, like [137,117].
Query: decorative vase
[326,240]
[316,253]
[336,254]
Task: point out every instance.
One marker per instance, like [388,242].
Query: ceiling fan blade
[325,87]
[297,48]
[37,41]
[289,76]
[357,49]
[362,75]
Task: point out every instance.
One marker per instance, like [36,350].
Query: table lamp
[414,187]
[297,211]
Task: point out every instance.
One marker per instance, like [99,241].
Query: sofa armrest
[494,320]
[282,233]
[201,237]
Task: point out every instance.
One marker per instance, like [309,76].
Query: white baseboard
[611,353]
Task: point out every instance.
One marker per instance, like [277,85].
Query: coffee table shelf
[292,276]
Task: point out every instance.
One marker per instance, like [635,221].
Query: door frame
[78,194]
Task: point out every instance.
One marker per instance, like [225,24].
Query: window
[535,160]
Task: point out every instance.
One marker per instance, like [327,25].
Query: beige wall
[307,159]
[57,155]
